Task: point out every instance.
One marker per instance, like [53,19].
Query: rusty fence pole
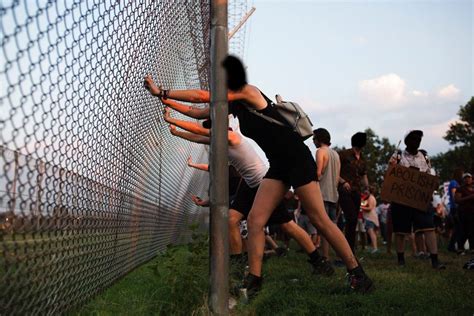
[219,173]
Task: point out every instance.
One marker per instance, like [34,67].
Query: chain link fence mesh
[92,184]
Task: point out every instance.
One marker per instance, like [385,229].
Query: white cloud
[448,92]
[387,90]
[417,93]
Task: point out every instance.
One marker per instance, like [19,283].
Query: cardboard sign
[409,187]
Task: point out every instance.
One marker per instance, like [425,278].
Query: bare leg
[413,243]
[431,244]
[268,196]
[310,196]
[235,240]
[269,240]
[420,242]
[298,234]
[373,237]
[316,238]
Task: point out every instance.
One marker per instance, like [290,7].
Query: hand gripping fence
[92,184]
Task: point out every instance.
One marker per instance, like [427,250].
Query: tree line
[378,150]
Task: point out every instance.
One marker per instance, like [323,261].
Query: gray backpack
[294,115]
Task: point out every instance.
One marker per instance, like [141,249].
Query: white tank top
[247,162]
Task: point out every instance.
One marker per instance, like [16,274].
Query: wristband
[165,93]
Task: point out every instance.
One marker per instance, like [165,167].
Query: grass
[176,284]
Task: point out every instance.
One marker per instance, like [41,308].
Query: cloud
[449,92]
[417,93]
[387,90]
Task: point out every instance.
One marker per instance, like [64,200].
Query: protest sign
[409,187]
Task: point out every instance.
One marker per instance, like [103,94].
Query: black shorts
[294,172]
[243,202]
[407,219]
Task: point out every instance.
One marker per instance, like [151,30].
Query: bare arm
[248,93]
[190,136]
[232,137]
[194,96]
[370,204]
[365,182]
[345,184]
[192,127]
[191,111]
[459,199]
[199,166]
[199,202]
[320,158]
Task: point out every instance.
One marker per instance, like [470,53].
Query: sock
[356,271]
[434,259]
[401,257]
[253,281]
[314,256]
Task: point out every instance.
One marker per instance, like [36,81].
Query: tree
[377,153]
[460,134]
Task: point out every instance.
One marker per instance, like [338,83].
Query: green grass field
[176,284]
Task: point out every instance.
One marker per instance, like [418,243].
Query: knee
[234,219]
[287,227]
[255,223]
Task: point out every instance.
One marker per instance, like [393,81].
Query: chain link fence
[92,184]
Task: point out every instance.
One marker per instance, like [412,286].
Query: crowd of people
[321,203]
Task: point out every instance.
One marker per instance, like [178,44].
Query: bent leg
[310,196]
[268,196]
[235,240]
[298,234]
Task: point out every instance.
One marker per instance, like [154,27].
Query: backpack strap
[266,117]
[269,101]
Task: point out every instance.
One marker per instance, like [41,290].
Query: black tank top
[278,142]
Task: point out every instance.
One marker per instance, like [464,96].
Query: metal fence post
[219,195]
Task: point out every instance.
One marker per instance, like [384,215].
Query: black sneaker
[469,265]
[360,282]
[438,266]
[237,268]
[322,266]
[250,287]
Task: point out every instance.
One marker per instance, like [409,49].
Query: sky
[388,65]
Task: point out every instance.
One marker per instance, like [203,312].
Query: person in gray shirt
[328,170]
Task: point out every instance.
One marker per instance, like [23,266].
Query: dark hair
[207,124]
[372,189]
[413,133]
[322,135]
[359,140]
[236,77]
[457,174]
